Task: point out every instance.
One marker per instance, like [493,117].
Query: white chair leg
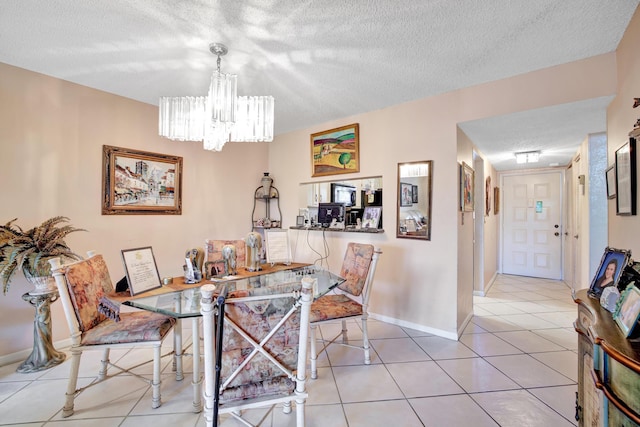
[286,407]
[104,364]
[313,356]
[67,409]
[365,341]
[155,385]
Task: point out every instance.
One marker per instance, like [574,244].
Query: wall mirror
[414,200]
[355,194]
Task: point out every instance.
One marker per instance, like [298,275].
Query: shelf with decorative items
[268,215]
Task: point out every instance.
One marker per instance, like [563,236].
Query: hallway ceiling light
[527,157]
[220,116]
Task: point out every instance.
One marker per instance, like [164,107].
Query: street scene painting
[335,151]
[139,182]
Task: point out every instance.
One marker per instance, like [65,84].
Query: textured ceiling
[322,60]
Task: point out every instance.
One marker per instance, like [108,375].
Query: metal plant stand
[44,355]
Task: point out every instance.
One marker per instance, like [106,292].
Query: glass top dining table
[186,303]
[183,301]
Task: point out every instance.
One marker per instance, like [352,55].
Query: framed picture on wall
[610,175]
[625,171]
[335,151]
[467,178]
[140,182]
[496,200]
[487,199]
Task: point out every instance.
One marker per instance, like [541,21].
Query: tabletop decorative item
[229,258]
[254,251]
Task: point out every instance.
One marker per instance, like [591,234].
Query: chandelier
[219,117]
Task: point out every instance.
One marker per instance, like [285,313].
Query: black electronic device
[342,193]
[327,212]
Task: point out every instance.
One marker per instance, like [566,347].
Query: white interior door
[532,225]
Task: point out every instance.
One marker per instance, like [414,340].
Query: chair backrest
[257,320]
[356,266]
[86,282]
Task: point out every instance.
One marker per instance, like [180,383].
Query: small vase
[42,284]
[266,182]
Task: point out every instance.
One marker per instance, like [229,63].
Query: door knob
[556,226]
[556,234]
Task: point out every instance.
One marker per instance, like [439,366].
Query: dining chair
[350,300]
[261,350]
[83,286]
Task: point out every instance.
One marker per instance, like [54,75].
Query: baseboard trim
[417,327]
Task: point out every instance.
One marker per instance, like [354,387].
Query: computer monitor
[327,212]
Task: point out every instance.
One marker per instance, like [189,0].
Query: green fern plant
[29,251]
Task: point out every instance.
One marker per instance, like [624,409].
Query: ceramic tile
[527,371]
[529,321]
[488,345]
[340,355]
[476,375]
[398,350]
[495,324]
[442,348]
[561,399]
[421,379]
[365,383]
[564,362]
[517,408]
[322,390]
[381,414]
[318,415]
[565,337]
[457,410]
[528,341]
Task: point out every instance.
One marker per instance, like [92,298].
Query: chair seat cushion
[132,327]
[330,307]
[268,387]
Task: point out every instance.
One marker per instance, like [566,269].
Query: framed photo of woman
[611,265]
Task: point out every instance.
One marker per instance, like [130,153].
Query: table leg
[197,377]
[177,347]
[44,355]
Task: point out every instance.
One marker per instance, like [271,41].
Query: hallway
[515,366]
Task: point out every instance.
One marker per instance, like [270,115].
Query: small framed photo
[141,269]
[612,264]
[610,175]
[371,216]
[406,194]
[628,310]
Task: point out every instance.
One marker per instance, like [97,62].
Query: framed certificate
[141,269]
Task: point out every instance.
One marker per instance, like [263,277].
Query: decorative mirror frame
[419,226]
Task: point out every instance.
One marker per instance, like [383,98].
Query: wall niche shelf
[341,230]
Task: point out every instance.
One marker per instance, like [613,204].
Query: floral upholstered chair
[349,301]
[261,349]
[82,286]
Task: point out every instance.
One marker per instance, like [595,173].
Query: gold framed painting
[467,183]
[140,182]
[335,151]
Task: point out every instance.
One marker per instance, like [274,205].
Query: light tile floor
[515,365]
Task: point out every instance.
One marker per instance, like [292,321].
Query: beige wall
[419,283]
[624,231]
[51,138]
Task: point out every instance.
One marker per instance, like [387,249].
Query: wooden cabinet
[608,369]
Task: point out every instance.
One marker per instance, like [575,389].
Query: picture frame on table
[371,216]
[467,182]
[336,151]
[610,178]
[628,310]
[140,182]
[141,269]
[625,171]
[612,263]
[406,194]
